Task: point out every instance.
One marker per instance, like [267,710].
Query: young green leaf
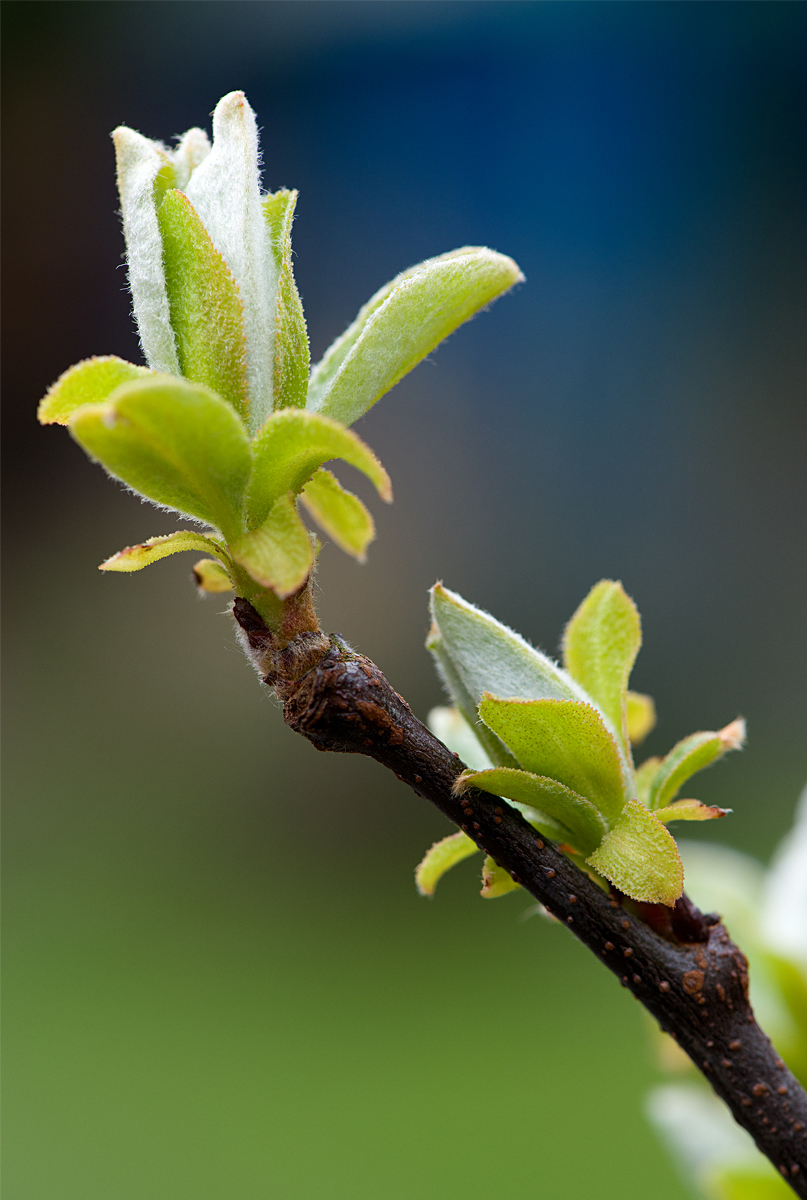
[695,752]
[291,446]
[390,337]
[600,645]
[641,712]
[176,443]
[291,348]
[211,576]
[442,856]
[495,880]
[341,514]
[279,554]
[581,819]
[224,189]
[640,857]
[134,558]
[487,656]
[644,776]
[689,810]
[563,740]
[140,161]
[88,382]
[492,747]
[207,315]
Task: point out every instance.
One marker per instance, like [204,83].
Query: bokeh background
[220,980]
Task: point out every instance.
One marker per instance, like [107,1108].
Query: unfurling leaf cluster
[556,742]
[225,425]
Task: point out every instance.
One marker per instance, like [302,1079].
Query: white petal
[139,160]
[225,192]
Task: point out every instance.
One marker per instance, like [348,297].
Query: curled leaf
[495,880]
[207,314]
[339,513]
[583,825]
[211,576]
[689,810]
[403,323]
[88,382]
[291,336]
[279,554]
[695,752]
[134,558]
[641,713]
[225,191]
[291,446]
[600,647]
[565,741]
[140,161]
[639,856]
[442,856]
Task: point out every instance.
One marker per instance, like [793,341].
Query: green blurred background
[219,979]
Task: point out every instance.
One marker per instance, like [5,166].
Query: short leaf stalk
[227,426]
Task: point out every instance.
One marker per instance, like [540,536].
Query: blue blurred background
[220,980]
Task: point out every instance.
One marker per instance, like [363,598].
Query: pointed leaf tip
[402,324]
[733,735]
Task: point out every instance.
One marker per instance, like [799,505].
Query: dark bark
[681,965]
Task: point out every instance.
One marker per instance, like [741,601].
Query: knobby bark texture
[680,964]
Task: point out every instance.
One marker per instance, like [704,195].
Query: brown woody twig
[681,965]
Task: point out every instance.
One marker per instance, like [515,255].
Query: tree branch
[681,965]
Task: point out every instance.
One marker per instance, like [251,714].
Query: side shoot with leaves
[230,426]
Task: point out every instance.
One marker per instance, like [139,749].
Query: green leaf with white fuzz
[489,657]
[291,446]
[140,161]
[325,371]
[291,336]
[586,827]
[600,645]
[207,314]
[449,725]
[88,382]
[134,558]
[280,553]
[695,752]
[339,513]
[442,856]
[565,741]
[639,856]
[643,777]
[211,576]
[641,716]
[689,810]
[495,880]
[418,311]
[492,747]
[225,191]
[192,150]
[174,442]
